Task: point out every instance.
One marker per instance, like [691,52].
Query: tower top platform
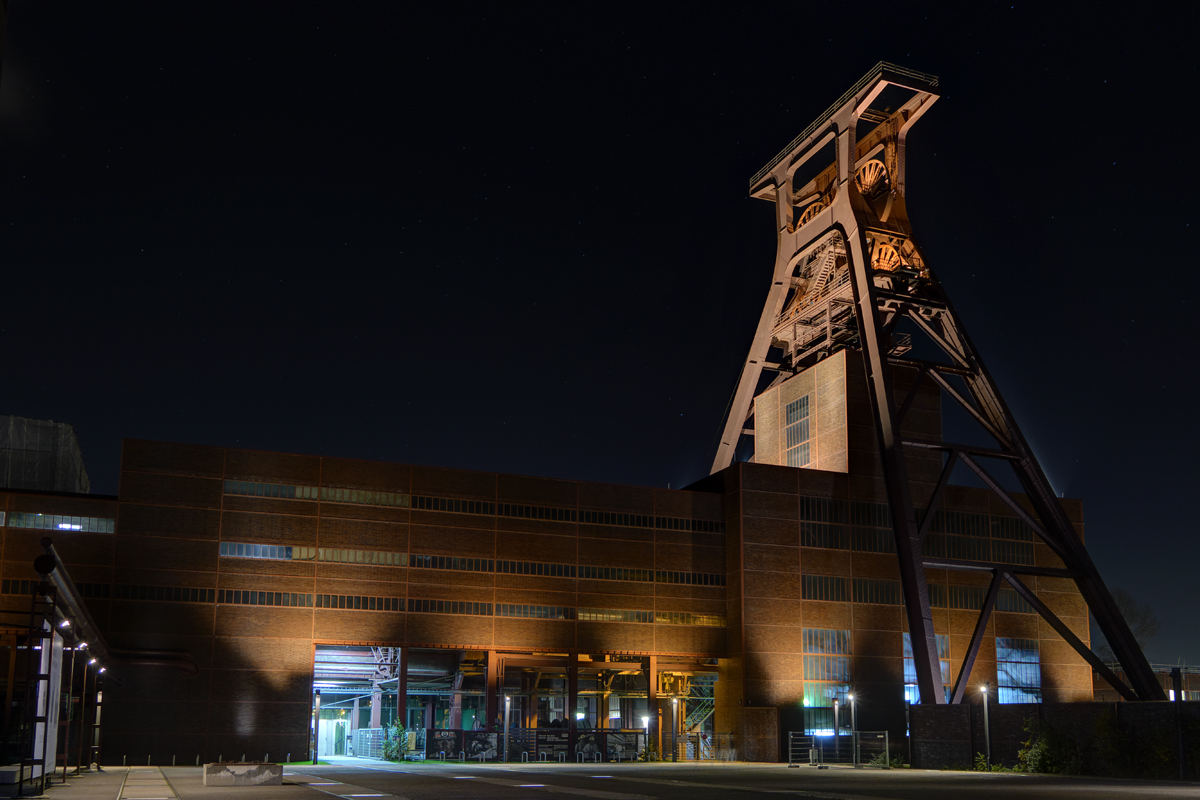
[882,72]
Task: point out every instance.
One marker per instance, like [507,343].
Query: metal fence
[859,749]
[368,742]
[707,747]
[871,749]
[535,744]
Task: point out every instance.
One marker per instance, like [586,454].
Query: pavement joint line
[555,788]
[143,780]
[362,790]
[808,794]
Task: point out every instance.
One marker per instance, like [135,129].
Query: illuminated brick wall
[345,551]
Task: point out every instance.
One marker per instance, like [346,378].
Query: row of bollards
[220,758]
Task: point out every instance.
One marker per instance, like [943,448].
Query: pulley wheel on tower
[871,178]
[813,209]
[885,257]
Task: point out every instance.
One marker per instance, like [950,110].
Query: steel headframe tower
[847,271]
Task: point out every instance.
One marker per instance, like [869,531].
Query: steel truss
[847,273]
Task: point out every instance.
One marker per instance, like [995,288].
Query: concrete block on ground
[249,774]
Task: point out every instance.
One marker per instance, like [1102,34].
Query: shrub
[1049,750]
[881,760]
[393,742]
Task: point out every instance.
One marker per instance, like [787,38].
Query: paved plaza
[354,778]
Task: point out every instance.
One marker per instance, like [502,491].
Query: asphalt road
[432,781]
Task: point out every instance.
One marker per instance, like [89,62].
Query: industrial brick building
[254,604]
[229,583]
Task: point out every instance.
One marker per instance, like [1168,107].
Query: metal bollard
[562,758]
[197,759]
[267,757]
[462,756]
[598,760]
[481,758]
[219,758]
[289,759]
[147,759]
[243,758]
[123,760]
[172,759]
[524,757]
[543,756]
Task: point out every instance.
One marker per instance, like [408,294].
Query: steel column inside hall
[402,688]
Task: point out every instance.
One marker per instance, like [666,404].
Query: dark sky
[523,243]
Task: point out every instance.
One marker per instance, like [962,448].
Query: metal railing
[871,749]
[803,749]
[538,744]
[368,742]
[859,749]
[865,81]
[707,747]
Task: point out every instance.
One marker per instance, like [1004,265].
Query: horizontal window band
[253,597]
[272,552]
[59,522]
[459,506]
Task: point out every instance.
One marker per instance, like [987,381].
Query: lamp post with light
[70,709]
[987,733]
[837,740]
[674,728]
[853,725]
[316,748]
[80,766]
[507,708]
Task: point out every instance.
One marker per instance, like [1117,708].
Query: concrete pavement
[355,778]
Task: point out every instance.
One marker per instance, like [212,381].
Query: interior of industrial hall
[232,586]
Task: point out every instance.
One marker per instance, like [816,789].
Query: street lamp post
[317,729]
[674,728]
[987,732]
[646,725]
[837,741]
[854,725]
[507,708]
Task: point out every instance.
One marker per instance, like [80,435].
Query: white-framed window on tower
[797,432]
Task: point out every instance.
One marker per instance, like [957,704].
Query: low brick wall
[948,737]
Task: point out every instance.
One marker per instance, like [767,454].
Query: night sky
[523,243]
